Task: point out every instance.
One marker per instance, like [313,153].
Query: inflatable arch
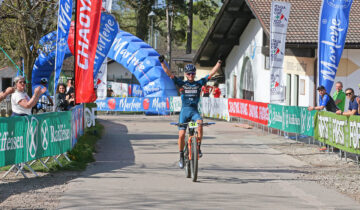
[128,50]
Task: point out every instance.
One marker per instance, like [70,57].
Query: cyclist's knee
[182,134]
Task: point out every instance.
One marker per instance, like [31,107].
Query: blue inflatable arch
[128,50]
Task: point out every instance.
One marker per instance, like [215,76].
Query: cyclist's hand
[221,58]
[43,90]
[161,58]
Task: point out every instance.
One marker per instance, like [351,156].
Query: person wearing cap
[190,97]
[325,101]
[339,96]
[21,103]
[43,83]
[353,104]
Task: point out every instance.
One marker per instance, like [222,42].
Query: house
[241,33]
[7,74]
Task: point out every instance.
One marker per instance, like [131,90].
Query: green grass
[80,155]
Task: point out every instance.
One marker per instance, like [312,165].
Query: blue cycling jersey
[190,91]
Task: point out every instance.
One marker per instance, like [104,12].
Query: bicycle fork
[189,144]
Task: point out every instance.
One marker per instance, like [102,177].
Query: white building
[241,33]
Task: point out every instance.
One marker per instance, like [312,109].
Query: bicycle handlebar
[182,124]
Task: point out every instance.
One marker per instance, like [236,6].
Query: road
[136,168]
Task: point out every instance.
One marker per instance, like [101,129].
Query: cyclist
[40,104]
[190,95]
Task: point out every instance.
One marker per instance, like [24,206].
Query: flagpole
[57,36]
[74,75]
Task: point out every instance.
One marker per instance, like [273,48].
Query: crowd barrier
[216,108]
[291,119]
[250,110]
[338,131]
[28,138]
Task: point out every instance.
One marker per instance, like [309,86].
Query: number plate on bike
[193,125]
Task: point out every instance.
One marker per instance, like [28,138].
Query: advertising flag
[279,19]
[109,28]
[87,34]
[333,26]
[63,27]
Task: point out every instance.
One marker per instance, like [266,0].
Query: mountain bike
[191,149]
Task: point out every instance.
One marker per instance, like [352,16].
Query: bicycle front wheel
[187,161]
[194,158]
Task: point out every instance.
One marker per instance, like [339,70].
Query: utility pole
[189,28]
[169,27]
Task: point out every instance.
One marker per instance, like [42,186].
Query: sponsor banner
[292,119]
[63,27]
[333,26]
[215,108]
[175,104]
[77,123]
[279,19]
[153,104]
[338,131]
[108,31]
[32,137]
[250,110]
[87,34]
[90,115]
[135,91]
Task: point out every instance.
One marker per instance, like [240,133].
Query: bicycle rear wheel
[187,161]
[194,158]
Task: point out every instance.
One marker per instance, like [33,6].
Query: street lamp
[151,15]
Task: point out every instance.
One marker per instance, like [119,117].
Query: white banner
[102,80]
[175,105]
[215,108]
[120,89]
[279,18]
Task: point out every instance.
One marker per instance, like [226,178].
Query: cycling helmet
[43,80]
[189,68]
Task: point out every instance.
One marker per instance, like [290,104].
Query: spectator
[353,103]
[206,89]
[43,83]
[325,101]
[216,91]
[21,103]
[70,86]
[8,91]
[71,100]
[109,92]
[61,102]
[339,96]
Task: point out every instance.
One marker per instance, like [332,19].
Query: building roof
[303,20]
[224,33]
[234,16]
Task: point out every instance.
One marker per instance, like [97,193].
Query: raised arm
[164,66]
[8,91]
[216,67]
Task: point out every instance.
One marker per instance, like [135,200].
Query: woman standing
[61,102]
[21,103]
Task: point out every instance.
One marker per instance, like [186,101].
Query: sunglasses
[348,94]
[22,82]
[190,74]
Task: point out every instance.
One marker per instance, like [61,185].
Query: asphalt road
[136,168]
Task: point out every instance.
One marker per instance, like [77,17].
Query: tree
[22,24]
[138,9]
